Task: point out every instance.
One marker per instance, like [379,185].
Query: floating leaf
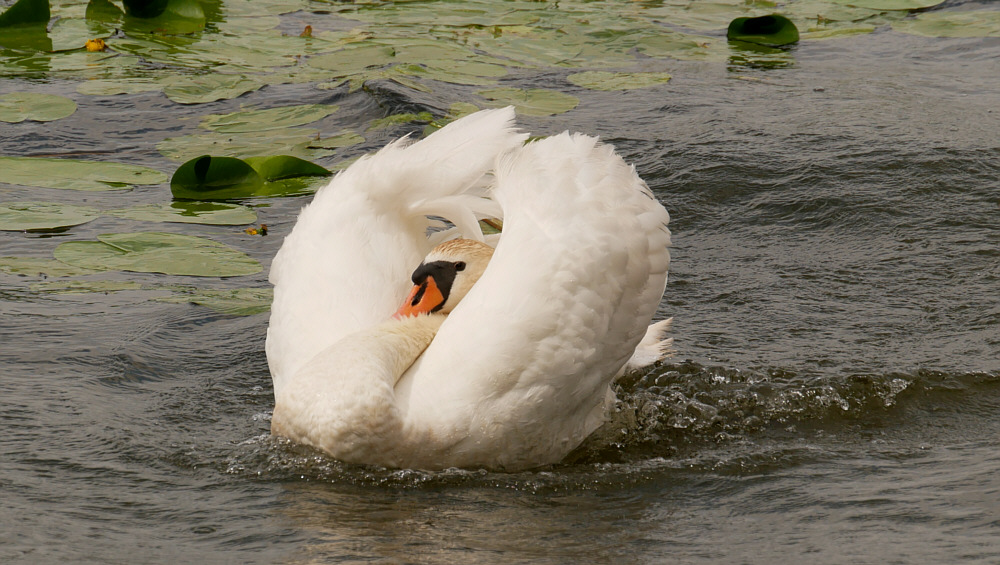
[208,88]
[26,12]
[890,4]
[279,167]
[971,23]
[236,302]
[211,213]
[766,30]
[600,80]
[225,178]
[153,252]
[75,174]
[33,216]
[205,176]
[31,266]
[269,119]
[20,106]
[532,102]
[164,16]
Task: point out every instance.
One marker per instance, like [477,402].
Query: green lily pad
[164,16]
[773,30]
[533,101]
[20,106]
[280,167]
[208,88]
[26,12]
[971,23]
[235,302]
[269,119]
[72,174]
[210,213]
[890,4]
[153,252]
[34,216]
[31,266]
[601,80]
[226,178]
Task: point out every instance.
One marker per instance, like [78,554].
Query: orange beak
[423,299]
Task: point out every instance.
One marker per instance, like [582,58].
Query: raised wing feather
[346,265]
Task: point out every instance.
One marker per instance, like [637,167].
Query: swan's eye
[460,266]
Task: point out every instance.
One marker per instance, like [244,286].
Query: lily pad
[269,119]
[72,174]
[154,252]
[226,178]
[354,59]
[26,12]
[971,23]
[210,213]
[236,302]
[600,80]
[208,88]
[890,4]
[35,216]
[31,266]
[342,139]
[533,101]
[773,30]
[20,106]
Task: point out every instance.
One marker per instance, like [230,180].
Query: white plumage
[519,373]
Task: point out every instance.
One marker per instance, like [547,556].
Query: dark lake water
[835,288]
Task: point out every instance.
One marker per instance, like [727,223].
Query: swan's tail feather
[653,347]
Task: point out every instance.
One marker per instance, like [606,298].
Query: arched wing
[576,278]
[346,264]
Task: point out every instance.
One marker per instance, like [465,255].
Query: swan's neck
[343,400]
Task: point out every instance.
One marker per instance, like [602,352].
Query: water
[836,295]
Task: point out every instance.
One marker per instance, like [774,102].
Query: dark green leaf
[765,30]
[26,12]
[284,166]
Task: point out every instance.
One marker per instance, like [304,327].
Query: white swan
[514,371]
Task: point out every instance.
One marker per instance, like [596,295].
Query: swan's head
[445,276]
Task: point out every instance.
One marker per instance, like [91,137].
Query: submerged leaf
[31,266]
[82,287]
[20,106]
[600,80]
[208,88]
[236,302]
[269,119]
[32,216]
[533,101]
[210,213]
[154,252]
[75,174]
[971,23]
[890,4]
